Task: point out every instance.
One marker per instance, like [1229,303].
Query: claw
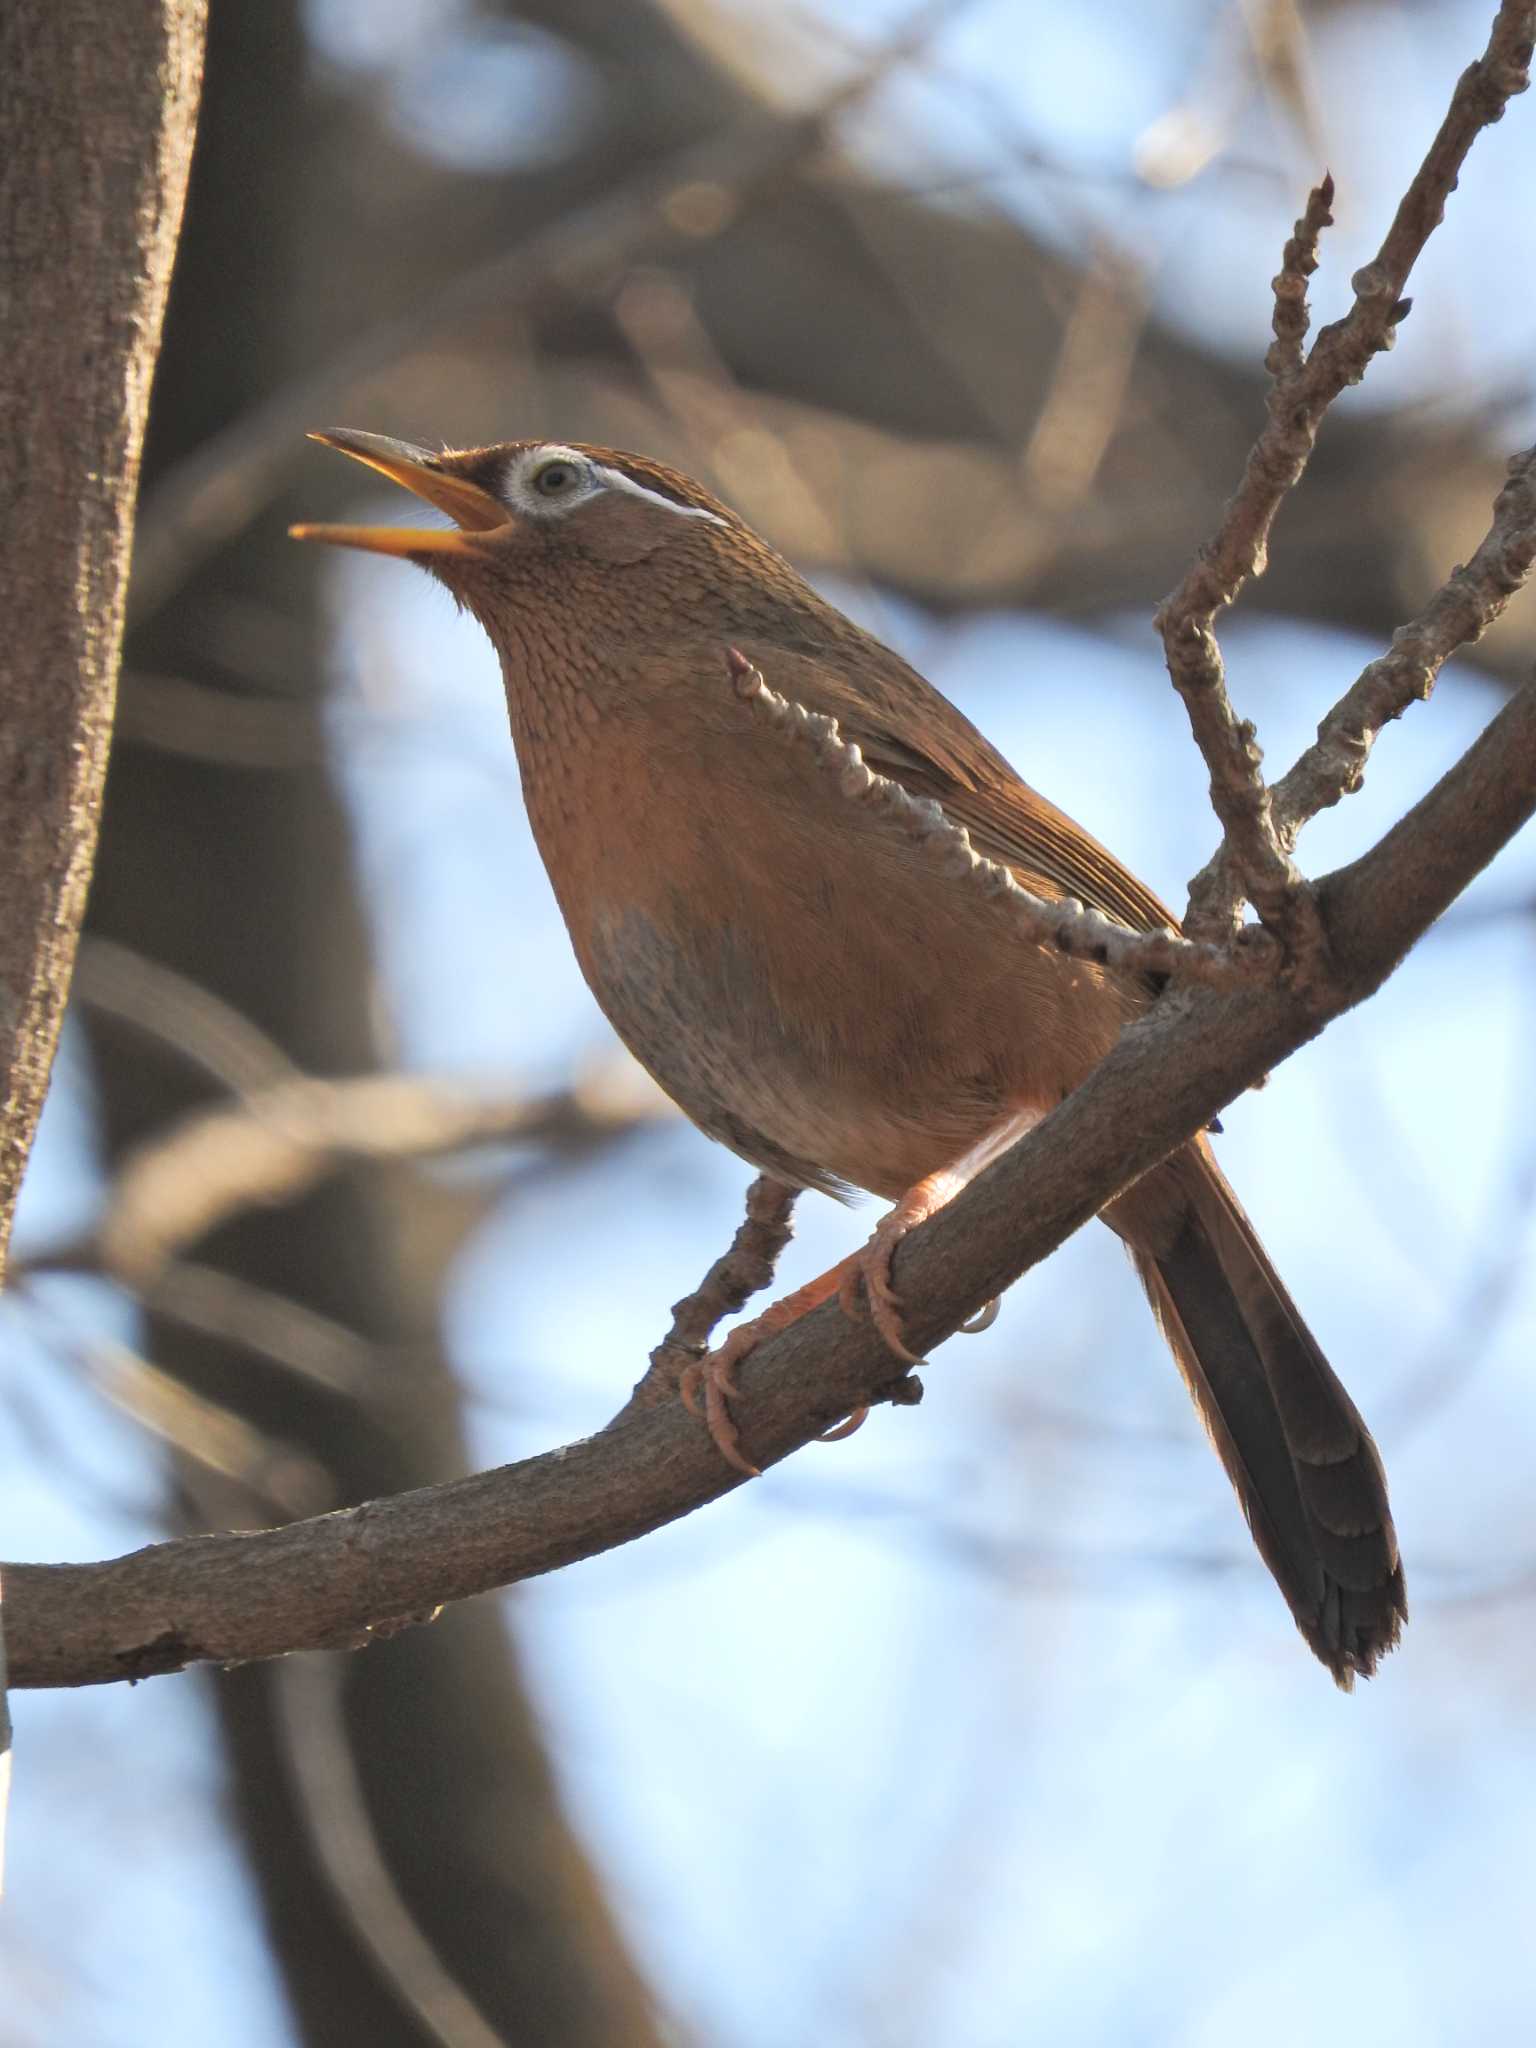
[708,1386]
[845,1429]
[872,1265]
[714,1376]
[984,1317]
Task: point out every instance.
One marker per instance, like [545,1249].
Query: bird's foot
[871,1269]
[872,1265]
[709,1387]
[712,1381]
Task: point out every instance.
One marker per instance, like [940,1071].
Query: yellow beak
[474,510]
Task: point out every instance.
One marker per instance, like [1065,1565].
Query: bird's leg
[872,1265]
[714,1374]
[713,1377]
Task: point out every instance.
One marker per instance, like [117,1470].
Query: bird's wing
[907,730]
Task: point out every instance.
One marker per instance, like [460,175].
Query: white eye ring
[556,478]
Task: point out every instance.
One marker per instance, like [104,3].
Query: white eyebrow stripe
[550,451]
[617,480]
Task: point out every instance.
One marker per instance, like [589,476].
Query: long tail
[1306,1473]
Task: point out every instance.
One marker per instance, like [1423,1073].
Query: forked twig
[1460,612]
[1253,856]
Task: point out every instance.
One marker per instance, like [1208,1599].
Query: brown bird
[816,994]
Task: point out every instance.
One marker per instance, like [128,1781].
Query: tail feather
[1301,1461]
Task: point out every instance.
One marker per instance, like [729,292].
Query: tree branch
[342,1579]
[743,1269]
[1460,612]
[1292,316]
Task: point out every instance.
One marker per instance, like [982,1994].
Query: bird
[816,994]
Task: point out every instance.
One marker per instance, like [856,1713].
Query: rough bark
[98,99]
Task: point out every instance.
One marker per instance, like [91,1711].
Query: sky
[989,1714]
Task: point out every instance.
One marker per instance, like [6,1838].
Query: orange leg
[715,1375]
[872,1265]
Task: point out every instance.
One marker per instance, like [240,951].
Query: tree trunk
[98,99]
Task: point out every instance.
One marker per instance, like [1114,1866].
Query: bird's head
[523,509]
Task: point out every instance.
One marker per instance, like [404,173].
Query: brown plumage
[805,985]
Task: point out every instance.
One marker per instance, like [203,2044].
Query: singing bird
[815,993]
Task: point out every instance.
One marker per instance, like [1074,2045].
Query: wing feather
[908,731]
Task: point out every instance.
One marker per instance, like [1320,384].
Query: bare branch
[1461,610]
[264,1324]
[98,106]
[1063,923]
[1238,550]
[743,1270]
[343,1578]
[1342,351]
[1292,314]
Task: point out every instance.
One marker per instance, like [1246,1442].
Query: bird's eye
[556,479]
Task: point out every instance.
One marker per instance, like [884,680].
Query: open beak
[472,509]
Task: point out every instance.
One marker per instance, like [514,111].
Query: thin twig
[739,1273]
[1460,612]
[1250,861]
[1293,315]
[1063,923]
[1238,550]
[1342,350]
